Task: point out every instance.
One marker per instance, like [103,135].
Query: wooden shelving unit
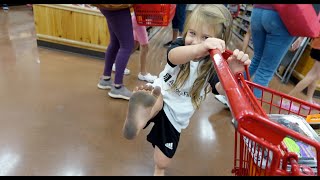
[74,27]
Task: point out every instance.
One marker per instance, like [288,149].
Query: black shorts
[213,81]
[315,54]
[163,134]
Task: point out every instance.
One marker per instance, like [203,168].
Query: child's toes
[156,91]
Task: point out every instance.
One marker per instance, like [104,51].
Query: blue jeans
[271,41]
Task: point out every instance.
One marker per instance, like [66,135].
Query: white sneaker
[222,99]
[148,77]
[5,7]
[126,71]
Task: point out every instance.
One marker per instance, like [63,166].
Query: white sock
[106,77]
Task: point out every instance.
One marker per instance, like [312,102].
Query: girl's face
[196,35]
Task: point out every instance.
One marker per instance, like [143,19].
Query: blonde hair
[219,19]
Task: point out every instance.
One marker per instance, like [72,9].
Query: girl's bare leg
[161,162]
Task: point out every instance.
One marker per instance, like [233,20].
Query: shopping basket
[259,148]
[154,14]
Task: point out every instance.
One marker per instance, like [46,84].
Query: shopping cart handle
[226,55]
[223,70]
[229,83]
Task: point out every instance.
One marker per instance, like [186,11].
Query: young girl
[181,87]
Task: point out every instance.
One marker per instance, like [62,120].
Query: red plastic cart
[154,14]
[259,149]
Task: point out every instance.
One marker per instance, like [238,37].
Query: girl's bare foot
[139,111]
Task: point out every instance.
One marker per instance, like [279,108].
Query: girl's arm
[184,54]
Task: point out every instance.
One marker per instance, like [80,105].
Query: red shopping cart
[154,14]
[259,149]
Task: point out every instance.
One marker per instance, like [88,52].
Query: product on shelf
[241,24]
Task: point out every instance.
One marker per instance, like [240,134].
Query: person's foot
[140,105]
[120,93]
[126,71]
[223,99]
[104,84]
[168,44]
[148,77]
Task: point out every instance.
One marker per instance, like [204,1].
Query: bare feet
[141,103]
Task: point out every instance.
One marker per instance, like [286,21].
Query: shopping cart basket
[259,147]
[154,14]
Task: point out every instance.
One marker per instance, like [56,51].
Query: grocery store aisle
[55,121]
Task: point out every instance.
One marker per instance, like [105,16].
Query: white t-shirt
[177,103]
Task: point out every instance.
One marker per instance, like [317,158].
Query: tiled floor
[55,121]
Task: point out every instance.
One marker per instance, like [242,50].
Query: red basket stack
[154,14]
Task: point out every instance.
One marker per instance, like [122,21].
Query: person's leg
[177,22]
[141,35]
[143,58]
[180,17]
[122,27]
[120,23]
[174,25]
[144,104]
[165,139]
[110,56]
[258,39]
[113,46]
[312,87]
[135,26]
[144,75]
[277,43]
[135,47]
[161,162]
[308,80]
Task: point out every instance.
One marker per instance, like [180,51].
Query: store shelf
[240,26]
[245,18]
[249,8]
[241,38]
[238,35]
[242,22]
